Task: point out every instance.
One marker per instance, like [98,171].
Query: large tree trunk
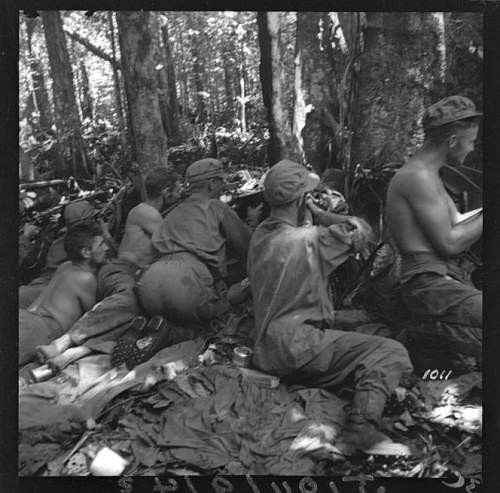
[315,124]
[171,85]
[41,97]
[165,73]
[71,153]
[280,145]
[199,72]
[149,140]
[398,66]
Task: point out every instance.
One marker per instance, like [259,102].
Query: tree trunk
[71,153]
[171,85]
[26,166]
[280,145]
[41,97]
[315,124]
[397,69]
[228,85]
[199,72]
[149,140]
[116,82]
[86,98]
[242,98]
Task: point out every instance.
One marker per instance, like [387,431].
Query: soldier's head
[85,243]
[161,182]
[208,175]
[452,124]
[287,184]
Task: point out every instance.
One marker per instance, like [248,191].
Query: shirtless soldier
[116,280]
[70,293]
[428,231]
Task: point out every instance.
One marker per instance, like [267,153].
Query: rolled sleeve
[335,245]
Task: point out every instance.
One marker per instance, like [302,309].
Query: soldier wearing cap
[294,337]
[429,232]
[186,283]
[75,213]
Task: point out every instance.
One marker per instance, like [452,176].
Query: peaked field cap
[287,181]
[448,110]
[78,212]
[204,169]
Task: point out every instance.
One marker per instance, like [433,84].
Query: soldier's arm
[431,209]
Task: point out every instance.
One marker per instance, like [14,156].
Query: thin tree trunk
[86,101]
[199,72]
[280,146]
[242,98]
[71,156]
[93,49]
[149,142]
[116,82]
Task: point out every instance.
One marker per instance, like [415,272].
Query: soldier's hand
[253,215]
[362,235]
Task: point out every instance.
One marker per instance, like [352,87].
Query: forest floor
[206,419]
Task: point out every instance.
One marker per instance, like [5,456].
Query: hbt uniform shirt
[288,267]
[202,226]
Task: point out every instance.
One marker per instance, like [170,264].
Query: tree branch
[93,49]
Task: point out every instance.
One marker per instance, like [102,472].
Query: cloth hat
[204,169]
[448,110]
[287,181]
[78,212]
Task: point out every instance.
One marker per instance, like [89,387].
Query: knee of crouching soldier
[397,352]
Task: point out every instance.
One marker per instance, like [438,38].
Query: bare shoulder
[143,212]
[412,178]
[82,278]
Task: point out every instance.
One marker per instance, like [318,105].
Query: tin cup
[41,373]
[242,355]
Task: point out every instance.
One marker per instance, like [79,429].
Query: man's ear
[452,141]
[85,251]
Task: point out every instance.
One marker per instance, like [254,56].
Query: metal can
[41,373]
[242,355]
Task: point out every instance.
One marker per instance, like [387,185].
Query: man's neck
[433,158]
[155,203]
[87,266]
[201,193]
[288,215]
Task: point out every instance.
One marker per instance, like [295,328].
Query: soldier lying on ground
[116,280]
[295,338]
[429,232]
[80,212]
[70,293]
